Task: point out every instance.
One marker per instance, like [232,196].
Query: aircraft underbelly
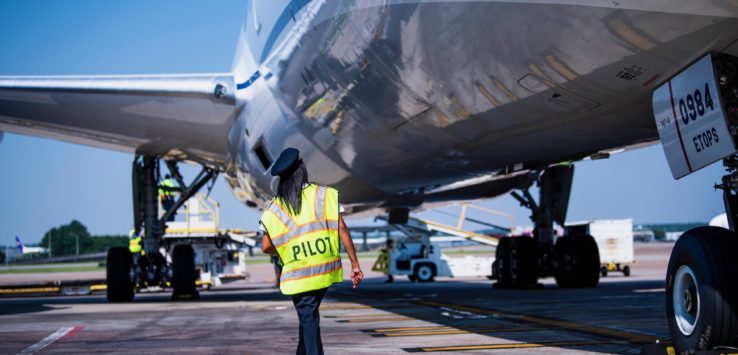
[409,96]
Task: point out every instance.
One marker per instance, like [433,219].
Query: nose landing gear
[701,280]
[701,290]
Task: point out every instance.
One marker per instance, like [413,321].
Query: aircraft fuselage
[392,102]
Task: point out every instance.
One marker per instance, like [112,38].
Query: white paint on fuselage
[482,118]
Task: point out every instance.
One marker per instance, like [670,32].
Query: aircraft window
[264,158]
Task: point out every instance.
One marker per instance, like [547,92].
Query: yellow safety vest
[134,242]
[166,183]
[307,243]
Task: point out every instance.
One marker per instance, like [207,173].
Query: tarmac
[251,317]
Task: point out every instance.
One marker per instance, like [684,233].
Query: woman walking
[302,226]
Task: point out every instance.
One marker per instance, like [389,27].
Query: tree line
[74,238]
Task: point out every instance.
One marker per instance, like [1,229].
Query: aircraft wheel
[578,262]
[118,275]
[501,263]
[183,272]
[626,270]
[701,292]
[603,271]
[425,272]
[523,261]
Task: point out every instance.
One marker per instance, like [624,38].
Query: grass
[469,252]
[256,260]
[253,260]
[53,269]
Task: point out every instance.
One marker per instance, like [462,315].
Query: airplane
[403,105]
[28,250]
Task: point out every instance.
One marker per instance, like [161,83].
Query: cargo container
[614,240]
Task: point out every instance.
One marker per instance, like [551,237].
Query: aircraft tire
[578,262]
[117,275]
[502,264]
[626,270]
[523,261]
[603,271]
[183,272]
[701,290]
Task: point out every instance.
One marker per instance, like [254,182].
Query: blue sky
[47,183]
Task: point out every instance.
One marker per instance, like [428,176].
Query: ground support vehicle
[415,256]
[220,254]
[614,241]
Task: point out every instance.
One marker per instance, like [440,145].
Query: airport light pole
[77,237]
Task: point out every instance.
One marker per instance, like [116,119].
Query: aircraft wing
[183,116]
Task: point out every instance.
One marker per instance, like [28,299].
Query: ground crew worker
[134,246]
[134,242]
[302,226]
[388,251]
[165,194]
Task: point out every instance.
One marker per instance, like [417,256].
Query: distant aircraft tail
[19,244]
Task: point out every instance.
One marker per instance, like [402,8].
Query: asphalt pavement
[461,315]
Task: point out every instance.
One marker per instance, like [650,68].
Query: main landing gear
[702,280]
[126,271]
[573,260]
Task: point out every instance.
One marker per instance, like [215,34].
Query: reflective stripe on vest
[307,243]
[320,209]
[299,231]
[309,271]
[283,216]
[166,183]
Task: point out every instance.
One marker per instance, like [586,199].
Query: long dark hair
[290,188]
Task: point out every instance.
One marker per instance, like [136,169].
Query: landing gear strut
[701,287]
[573,260]
[126,272]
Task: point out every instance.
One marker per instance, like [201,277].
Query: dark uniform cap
[286,162]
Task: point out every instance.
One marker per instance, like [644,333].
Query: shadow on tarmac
[617,316]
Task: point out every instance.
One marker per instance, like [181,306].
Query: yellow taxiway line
[403,329]
[369,320]
[507,329]
[21,290]
[514,345]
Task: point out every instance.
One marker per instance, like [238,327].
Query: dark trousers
[167,203]
[306,305]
